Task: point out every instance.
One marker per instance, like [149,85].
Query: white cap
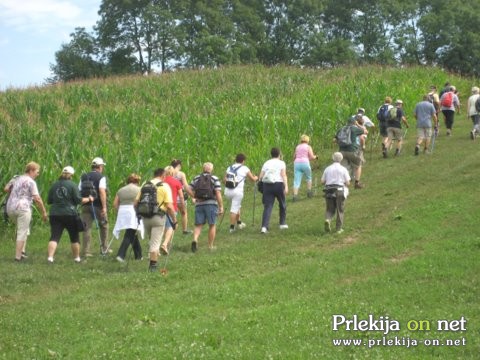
[98,161]
[68,170]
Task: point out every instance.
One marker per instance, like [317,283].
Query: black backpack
[147,205]
[204,187]
[344,136]
[88,188]
[231,181]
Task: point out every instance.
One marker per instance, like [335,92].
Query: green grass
[410,252]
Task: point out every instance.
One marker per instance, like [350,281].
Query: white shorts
[236,196]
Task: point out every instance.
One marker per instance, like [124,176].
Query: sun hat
[68,170]
[361,110]
[337,156]
[399,101]
[98,161]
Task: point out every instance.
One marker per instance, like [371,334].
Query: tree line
[140,36]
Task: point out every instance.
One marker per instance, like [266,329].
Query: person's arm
[261,175]
[311,155]
[251,176]
[218,196]
[116,202]
[283,174]
[171,214]
[39,202]
[404,120]
[103,199]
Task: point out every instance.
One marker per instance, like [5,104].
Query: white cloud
[44,15]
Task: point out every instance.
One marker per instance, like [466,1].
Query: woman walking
[64,197]
[23,192]
[127,218]
[301,165]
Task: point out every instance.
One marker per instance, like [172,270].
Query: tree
[77,59]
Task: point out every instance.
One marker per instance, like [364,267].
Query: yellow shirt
[164,194]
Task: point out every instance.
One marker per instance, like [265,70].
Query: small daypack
[88,188]
[392,114]
[231,179]
[447,99]
[477,104]
[204,188]
[147,204]
[344,136]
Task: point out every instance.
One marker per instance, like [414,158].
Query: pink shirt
[303,153]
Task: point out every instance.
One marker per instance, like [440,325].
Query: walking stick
[254,198]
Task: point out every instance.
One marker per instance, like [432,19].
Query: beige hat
[98,161]
[68,170]
[399,101]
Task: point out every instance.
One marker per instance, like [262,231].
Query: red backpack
[447,99]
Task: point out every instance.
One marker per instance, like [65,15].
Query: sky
[31,31]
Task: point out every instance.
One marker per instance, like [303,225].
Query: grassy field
[409,252]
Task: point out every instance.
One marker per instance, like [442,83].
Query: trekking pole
[254,198]
[164,270]
[98,228]
[434,135]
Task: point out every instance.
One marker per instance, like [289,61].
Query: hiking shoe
[384,153]
[339,231]
[120,259]
[163,250]
[24,255]
[232,230]
[186,232]
[194,246]
[152,268]
[397,152]
[417,150]
[327,226]
[310,194]
[472,134]
[295,198]
[241,225]
[283,227]
[359,185]
[77,260]
[263,230]
[50,260]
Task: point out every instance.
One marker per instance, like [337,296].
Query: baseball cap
[98,161]
[399,101]
[361,110]
[68,170]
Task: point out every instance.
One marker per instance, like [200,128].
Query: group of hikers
[151,210]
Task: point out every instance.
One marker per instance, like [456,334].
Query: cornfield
[140,123]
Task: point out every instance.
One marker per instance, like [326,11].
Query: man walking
[394,129]
[154,224]
[336,180]
[424,113]
[207,191]
[94,184]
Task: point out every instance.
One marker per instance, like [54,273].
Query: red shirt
[175,185]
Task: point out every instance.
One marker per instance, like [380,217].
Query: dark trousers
[449,117]
[270,193]
[335,206]
[130,238]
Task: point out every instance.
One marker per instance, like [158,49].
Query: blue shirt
[424,112]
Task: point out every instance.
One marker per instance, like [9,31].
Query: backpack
[88,188]
[447,99]
[477,104]
[344,136]
[392,114]
[147,204]
[231,180]
[204,188]
[383,112]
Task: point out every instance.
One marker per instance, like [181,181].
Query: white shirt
[241,175]
[272,170]
[336,174]
[471,105]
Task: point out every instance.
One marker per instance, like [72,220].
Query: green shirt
[64,197]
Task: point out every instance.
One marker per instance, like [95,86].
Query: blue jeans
[270,193]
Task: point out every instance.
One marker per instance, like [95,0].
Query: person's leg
[22,220]
[282,203]
[52,247]
[87,217]
[122,250]
[157,230]
[212,231]
[297,178]
[200,220]
[137,247]
[57,225]
[308,178]
[268,199]
[103,224]
[212,213]
[330,208]
[340,210]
